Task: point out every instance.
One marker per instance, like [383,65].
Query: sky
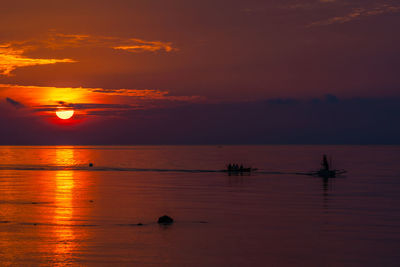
[200,72]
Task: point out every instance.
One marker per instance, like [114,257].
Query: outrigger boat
[325,171]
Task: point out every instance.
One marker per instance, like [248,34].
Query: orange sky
[104,57]
[252,49]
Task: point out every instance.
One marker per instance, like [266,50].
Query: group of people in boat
[235,167]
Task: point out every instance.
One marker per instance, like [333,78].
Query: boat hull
[328,173]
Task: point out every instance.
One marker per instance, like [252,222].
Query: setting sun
[64,114]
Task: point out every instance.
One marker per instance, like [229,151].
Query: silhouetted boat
[240,170]
[327,173]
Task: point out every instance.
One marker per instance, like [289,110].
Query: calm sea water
[55,210]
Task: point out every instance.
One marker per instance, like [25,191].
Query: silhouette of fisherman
[324,163]
[233,167]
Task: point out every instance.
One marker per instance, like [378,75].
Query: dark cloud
[83,106]
[283,101]
[331,98]
[15,103]
[348,121]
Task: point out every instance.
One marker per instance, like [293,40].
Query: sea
[56,210]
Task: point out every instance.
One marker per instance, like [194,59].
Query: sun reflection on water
[64,156]
[63,199]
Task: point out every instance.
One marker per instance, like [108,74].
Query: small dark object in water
[34,203]
[90,164]
[165,220]
[91,201]
[140,224]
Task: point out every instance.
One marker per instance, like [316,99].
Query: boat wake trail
[124,169]
[100,169]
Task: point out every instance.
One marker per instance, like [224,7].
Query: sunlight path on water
[64,215]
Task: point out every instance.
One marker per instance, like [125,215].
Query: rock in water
[165,220]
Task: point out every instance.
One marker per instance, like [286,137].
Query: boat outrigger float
[327,173]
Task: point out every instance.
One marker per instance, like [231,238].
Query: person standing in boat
[324,163]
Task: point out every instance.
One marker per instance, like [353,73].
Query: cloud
[282,101]
[56,41]
[144,94]
[12,52]
[15,103]
[349,121]
[138,46]
[106,108]
[329,98]
[45,100]
[11,58]
[358,13]
[298,121]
